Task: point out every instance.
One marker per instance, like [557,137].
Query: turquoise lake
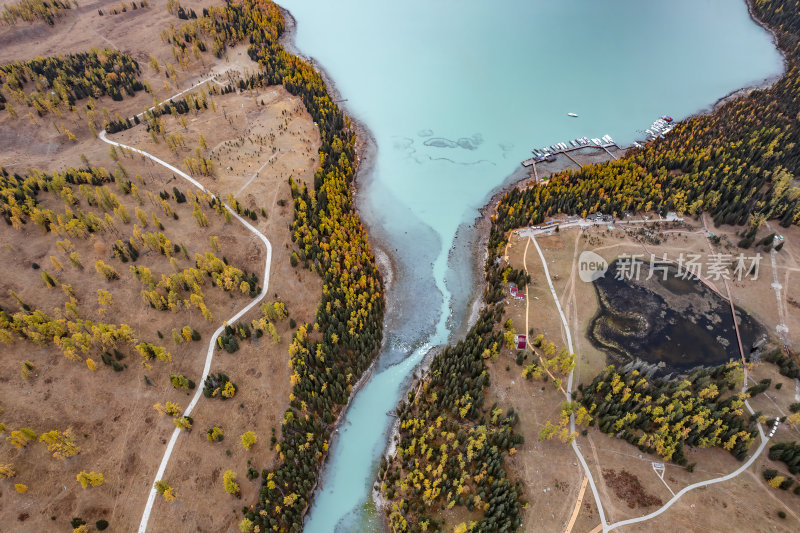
[456,94]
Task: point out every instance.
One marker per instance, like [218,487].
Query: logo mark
[591,266]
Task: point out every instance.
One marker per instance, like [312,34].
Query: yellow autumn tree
[163,488]
[248,439]
[60,444]
[229,481]
[27,369]
[214,434]
[7,471]
[21,437]
[776,481]
[107,271]
[87,479]
[183,422]
[229,390]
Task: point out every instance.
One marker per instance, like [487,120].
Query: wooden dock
[609,153]
[538,159]
[573,160]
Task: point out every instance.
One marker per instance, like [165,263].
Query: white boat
[572,115]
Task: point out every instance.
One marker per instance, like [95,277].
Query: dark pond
[675,323]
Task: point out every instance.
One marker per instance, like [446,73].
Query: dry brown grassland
[256,139]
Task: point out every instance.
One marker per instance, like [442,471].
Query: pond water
[676,322]
[456,94]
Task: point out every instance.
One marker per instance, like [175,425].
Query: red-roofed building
[521,341]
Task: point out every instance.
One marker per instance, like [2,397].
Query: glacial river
[456,93]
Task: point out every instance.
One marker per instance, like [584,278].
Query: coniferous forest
[46,82]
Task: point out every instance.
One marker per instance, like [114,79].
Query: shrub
[101,525]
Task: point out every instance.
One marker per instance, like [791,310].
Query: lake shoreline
[766,83]
[366,153]
[366,148]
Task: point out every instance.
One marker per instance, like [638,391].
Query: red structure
[522,342]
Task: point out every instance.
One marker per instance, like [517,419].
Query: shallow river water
[456,93]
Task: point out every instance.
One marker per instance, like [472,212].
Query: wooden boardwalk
[605,146]
[573,160]
[531,162]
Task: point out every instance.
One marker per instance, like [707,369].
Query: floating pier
[659,128]
[548,153]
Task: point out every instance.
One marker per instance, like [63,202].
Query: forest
[48,11]
[90,207]
[48,83]
[664,417]
[788,453]
[452,449]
